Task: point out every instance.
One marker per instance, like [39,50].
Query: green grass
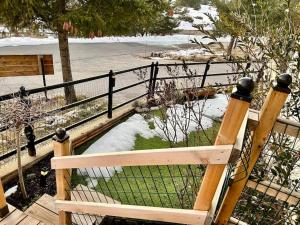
[141,185]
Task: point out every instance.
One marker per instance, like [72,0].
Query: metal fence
[100,95]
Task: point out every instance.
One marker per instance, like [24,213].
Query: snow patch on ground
[10,191]
[122,137]
[187,54]
[3,29]
[213,108]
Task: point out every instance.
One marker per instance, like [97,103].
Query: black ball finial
[60,135]
[245,85]
[243,90]
[283,82]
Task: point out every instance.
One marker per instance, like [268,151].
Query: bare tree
[181,105]
[16,114]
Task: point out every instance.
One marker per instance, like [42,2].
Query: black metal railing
[100,95]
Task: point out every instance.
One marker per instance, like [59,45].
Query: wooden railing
[231,132]
[216,157]
[211,155]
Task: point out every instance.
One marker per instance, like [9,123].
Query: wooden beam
[183,216]
[282,125]
[267,118]
[61,146]
[172,156]
[3,205]
[276,191]
[232,121]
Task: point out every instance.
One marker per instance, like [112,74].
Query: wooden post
[3,205]
[61,147]
[236,111]
[267,118]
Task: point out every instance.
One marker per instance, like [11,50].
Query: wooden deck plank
[42,214]
[28,220]
[47,201]
[13,218]
[83,193]
[44,208]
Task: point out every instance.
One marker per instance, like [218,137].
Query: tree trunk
[230,47]
[20,172]
[66,65]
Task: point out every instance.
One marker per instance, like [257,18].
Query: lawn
[167,186]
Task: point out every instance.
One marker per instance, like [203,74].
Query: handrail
[184,216]
[172,156]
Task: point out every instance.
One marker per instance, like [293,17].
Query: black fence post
[151,80]
[28,129]
[111,84]
[155,73]
[207,67]
[44,76]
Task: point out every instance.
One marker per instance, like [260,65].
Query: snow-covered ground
[187,54]
[10,191]
[123,136]
[148,40]
[3,29]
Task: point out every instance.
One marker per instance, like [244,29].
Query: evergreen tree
[83,18]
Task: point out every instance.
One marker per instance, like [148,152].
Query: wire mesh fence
[156,186]
[272,194]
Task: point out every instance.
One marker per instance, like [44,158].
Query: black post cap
[243,90]
[22,91]
[282,83]
[60,135]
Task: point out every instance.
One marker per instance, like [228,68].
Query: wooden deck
[44,208]
[16,216]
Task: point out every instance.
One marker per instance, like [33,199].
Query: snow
[10,191]
[122,137]
[167,40]
[199,17]
[3,29]
[187,53]
[213,108]
[149,40]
